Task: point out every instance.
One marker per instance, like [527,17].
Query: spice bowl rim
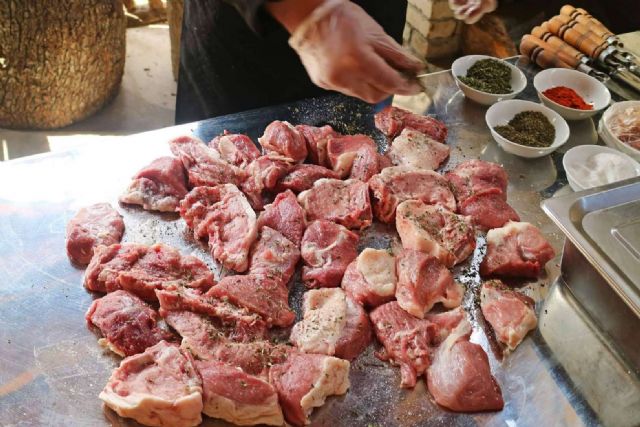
[481,97]
[512,107]
[565,77]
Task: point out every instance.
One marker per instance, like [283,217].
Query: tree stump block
[60,60]
[488,37]
[175,11]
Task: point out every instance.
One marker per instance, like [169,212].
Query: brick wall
[431,31]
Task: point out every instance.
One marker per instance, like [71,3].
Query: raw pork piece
[127,323]
[239,324]
[343,202]
[235,148]
[475,176]
[195,206]
[399,183]
[316,139]
[516,250]
[204,165]
[91,227]
[237,397]
[159,387]
[366,164]
[266,297]
[283,139]
[423,281]
[509,312]
[158,187]
[460,378]
[415,149]
[392,120]
[327,249]
[371,279]
[274,257]
[264,174]
[235,323]
[435,231]
[302,177]
[232,227]
[142,269]
[209,339]
[332,324]
[445,323]
[488,209]
[343,150]
[304,382]
[285,216]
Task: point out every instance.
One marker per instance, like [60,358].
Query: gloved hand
[470,11]
[345,50]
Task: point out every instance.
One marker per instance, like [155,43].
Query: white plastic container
[584,172]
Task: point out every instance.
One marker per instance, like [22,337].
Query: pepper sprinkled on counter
[567,97]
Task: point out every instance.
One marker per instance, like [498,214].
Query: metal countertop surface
[52,368]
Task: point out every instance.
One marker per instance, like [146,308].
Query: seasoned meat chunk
[417,150]
[285,216]
[488,209]
[475,176]
[316,139]
[91,227]
[264,174]
[371,279]
[327,249]
[127,323]
[284,139]
[158,187]
[159,387]
[392,120]
[343,202]
[274,257]
[302,177]
[342,152]
[235,148]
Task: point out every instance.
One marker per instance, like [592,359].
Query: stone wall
[431,31]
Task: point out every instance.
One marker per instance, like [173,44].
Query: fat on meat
[204,165]
[518,249]
[344,202]
[342,152]
[266,297]
[417,150]
[396,184]
[142,269]
[327,249]
[509,312]
[127,324]
[316,139]
[436,231]
[424,281]
[284,139]
[371,278]
[392,120]
[239,324]
[92,226]
[488,209]
[235,148]
[301,177]
[475,176]
[284,215]
[274,257]
[195,206]
[460,377]
[159,186]
[332,324]
[264,174]
[159,387]
[304,381]
[237,397]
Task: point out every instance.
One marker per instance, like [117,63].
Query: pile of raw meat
[195,345]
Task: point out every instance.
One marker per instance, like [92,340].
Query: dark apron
[225,67]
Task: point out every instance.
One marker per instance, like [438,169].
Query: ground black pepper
[529,128]
[489,75]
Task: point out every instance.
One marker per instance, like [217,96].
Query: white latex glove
[470,11]
[345,50]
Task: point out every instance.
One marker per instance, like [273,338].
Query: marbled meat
[284,139]
[235,148]
[392,120]
[91,227]
[284,215]
[343,202]
[371,278]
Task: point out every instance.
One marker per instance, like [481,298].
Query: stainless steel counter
[52,369]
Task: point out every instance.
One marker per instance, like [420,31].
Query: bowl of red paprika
[572,94]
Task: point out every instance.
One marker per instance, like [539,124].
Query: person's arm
[470,11]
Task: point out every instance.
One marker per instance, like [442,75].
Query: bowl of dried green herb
[526,129]
[487,80]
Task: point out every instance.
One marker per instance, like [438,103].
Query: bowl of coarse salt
[589,166]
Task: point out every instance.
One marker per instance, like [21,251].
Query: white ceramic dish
[462,64]
[590,89]
[500,114]
[610,139]
[576,160]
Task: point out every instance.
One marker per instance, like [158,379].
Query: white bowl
[576,158]
[462,64]
[500,114]
[590,89]
[609,138]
